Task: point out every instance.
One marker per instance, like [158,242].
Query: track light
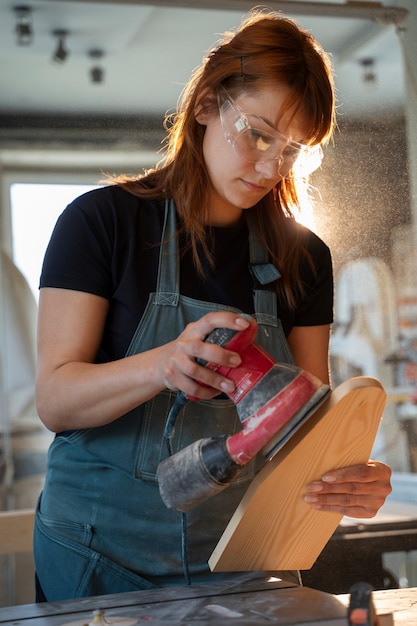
[369,75]
[96,72]
[24,28]
[61,52]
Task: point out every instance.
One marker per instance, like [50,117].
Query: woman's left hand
[357,491]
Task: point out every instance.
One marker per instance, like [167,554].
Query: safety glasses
[257,142]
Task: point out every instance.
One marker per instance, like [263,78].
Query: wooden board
[273,528]
[16,531]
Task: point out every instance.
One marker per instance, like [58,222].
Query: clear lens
[257,142]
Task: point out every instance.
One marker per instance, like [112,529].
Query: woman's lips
[253,187]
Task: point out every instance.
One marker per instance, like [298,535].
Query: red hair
[267,48]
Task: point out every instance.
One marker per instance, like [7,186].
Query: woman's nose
[268,169]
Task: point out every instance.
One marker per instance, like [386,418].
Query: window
[35,209]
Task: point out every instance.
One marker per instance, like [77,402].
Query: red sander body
[272,400]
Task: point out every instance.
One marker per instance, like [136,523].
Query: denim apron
[101,526]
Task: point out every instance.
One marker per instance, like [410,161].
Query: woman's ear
[204,108]
[202,116]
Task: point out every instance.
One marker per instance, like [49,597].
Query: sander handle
[236,340]
[230,339]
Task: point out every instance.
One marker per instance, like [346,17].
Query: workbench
[249,599]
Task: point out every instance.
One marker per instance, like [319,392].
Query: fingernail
[314,487]
[242,322]
[235,360]
[228,386]
[329,478]
[310,499]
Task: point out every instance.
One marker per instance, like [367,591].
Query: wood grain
[273,528]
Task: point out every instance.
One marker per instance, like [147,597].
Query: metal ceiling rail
[354,9]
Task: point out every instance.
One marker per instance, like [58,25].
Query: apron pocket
[196,420]
[67,569]
[114,444]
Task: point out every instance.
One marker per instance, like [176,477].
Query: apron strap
[168,281]
[263,273]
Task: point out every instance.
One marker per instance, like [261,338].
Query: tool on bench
[361,611]
[272,400]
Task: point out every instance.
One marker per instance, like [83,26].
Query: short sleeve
[315,307]
[79,253]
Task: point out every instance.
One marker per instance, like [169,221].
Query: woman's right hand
[180,370]
[73,392]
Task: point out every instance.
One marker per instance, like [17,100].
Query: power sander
[272,401]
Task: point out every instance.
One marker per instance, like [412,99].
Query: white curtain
[18,346]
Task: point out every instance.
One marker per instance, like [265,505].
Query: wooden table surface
[246,599]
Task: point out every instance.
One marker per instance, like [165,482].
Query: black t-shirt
[106,243]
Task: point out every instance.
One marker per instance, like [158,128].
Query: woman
[138,273]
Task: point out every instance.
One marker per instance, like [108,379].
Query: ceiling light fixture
[369,75]
[96,72]
[24,27]
[61,52]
